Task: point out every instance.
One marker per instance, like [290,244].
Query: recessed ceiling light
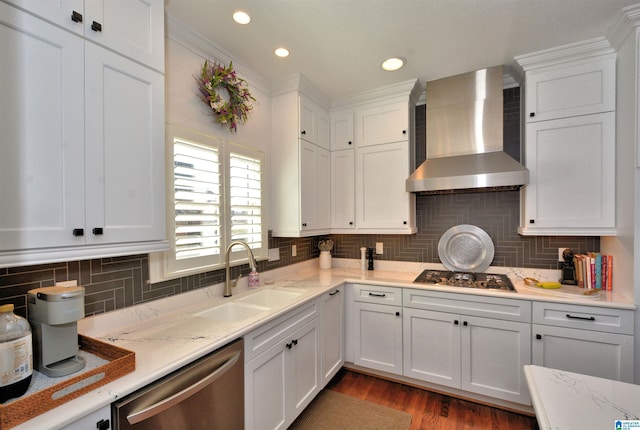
[282,52]
[393,63]
[241,17]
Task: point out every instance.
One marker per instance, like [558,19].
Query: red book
[610,272]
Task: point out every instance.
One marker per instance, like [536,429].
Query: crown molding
[299,82]
[626,21]
[410,89]
[565,53]
[195,42]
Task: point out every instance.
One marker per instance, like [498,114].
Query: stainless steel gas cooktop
[485,281]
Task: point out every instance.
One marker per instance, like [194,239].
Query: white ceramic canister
[325,259]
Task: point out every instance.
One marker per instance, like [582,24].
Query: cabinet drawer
[269,334]
[377,294]
[482,306]
[584,317]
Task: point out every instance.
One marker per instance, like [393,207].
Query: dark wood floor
[431,411]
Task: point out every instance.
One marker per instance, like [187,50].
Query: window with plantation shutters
[245,197]
[197,199]
[215,195]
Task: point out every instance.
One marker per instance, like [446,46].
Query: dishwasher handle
[178,397]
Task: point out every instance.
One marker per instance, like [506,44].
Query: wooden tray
[121,362]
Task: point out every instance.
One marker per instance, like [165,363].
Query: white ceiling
[339,44]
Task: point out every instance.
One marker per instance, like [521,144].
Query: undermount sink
[250,305]
[269,298]
[232,312]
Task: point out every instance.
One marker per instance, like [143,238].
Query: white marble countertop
[166,334]
[567,401]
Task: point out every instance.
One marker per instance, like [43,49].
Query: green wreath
[215,78]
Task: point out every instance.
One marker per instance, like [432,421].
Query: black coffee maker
[568,268]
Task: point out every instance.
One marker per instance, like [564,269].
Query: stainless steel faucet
[228,283]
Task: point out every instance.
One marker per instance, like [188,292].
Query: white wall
[626,279]
[184,55]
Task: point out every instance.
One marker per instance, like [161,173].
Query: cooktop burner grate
[485,281]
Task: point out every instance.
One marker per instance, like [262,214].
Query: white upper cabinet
[84,174]
[382,203]
[133,28]
[300,165]
[372,155]
[41,167]
[385,123]
[569,141]
[342,136]
[565,90]
[571,163]
[124,149]
[343,204]
[314,122]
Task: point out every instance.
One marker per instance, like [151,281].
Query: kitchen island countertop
[566,400]
[167,333]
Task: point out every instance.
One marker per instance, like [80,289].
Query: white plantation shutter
[245,197]
[197,192]
[215,195]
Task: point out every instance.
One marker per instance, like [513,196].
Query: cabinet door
[303,369]
[42,123]
[59,12]
[571,164]
[605,355]
[265,389]
[378,337]
[382,124]
[585,87]
[332,347]
[432,346]
[381,199]
[343,204]
[124,149]
[315,187]
[342,130]
[493,355]
[314,122]
[134,28]
[91,421]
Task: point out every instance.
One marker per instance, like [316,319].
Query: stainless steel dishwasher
[206,394]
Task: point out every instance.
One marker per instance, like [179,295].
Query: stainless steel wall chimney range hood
[464,137]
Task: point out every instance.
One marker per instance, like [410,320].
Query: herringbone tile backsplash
[115,283]
[497,213]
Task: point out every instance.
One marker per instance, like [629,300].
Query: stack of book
[594,270]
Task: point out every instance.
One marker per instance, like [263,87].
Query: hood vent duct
[464,138]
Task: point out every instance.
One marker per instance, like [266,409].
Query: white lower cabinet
[282,369]
[377,328]
[378,336]
[493,356]
[332,333]
[480,355]
[584,339]
[96,420]
[432,348]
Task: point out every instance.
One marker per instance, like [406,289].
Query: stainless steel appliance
[54,313]
[484,281]
[207,394]
[465,147]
